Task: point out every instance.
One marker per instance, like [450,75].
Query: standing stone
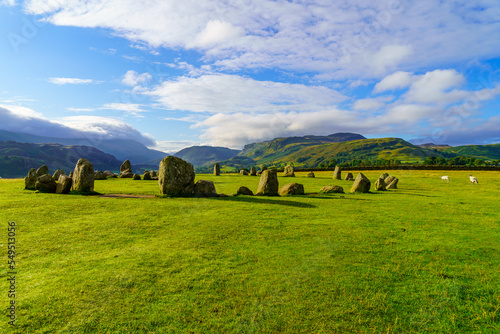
[349,177]
[99,175]
[384,176]
[361,184]
[288,171]
[30,180]
[253,171]
[57,173]
[63,184]
[244,191]
[204,188]
[380,184]
[389,179]
[337,173]
[311,174]
[217,169]
[292,189]
[108,173]
[126,170]
[42,171]
[153,174]
[268,184]
[243,172]
[332,190]
[83,176]
[146,176]
[136,177]
[176,177]
[264,167]
[46,184]
[393,184]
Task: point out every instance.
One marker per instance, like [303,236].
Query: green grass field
[421,259]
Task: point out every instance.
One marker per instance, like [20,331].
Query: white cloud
[133,109]
[70,81]
[9,3]
[132,78]
[394,81]
[338,39]
[232,93]
[25,120]
[171,147]
[369,104]
[434,87]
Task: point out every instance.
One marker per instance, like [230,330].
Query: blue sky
[174,74]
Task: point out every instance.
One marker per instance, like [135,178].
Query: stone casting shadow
[265,200]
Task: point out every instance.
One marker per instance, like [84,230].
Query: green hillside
[488,152]
[205,155]
[16,159]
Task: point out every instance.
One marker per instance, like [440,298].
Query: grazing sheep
[473,179]
[445,178]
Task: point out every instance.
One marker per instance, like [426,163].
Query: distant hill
[205,155]
[16,159]
[275,149]
[122,149]
[487,152]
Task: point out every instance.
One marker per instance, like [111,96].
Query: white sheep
[445,178]
[473,179]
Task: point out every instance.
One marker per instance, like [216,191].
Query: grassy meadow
[424,258]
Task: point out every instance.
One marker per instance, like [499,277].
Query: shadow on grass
[332,196]
[266,200]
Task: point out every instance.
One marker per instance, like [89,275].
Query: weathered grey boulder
[393,184]
[288,171]
[217,169]
[292,189]
[99,175]
[349,177]
[380,184]
[46,184]
[126,170]
[384,176]
[42,170]
[83,176]
[136,177]
[332,190]
[204,188]
[361,184]
[389,179]
[337,173]
[30,180]
[64,184]
[146,176]
[57,173]
[108,173]
[253,171]
[268,184]
[243,172]
[176,177]
[244,191]
[153,174]
[311,174]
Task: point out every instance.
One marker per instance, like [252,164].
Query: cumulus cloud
[434,87]
[232,93]
[70,81]
[394,81]
[25,120]
[132,78]
[339,38]
[132,109]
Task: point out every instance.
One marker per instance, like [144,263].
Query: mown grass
[420,259]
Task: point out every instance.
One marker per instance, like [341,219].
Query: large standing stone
[46,184]
[126,170]
[393,184]
[288,171]
[311,174]
[380,184]
[63,184]
[332,190]
[349,177]
[243,172]
[268,184]
[217,169]
[292,189]
[204,188]
[337,174]
[146,176]
[42,170]
[83,176]
[176,177]
[253,171]
[30,180]
[361,184]
[244,191]
[57,173]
